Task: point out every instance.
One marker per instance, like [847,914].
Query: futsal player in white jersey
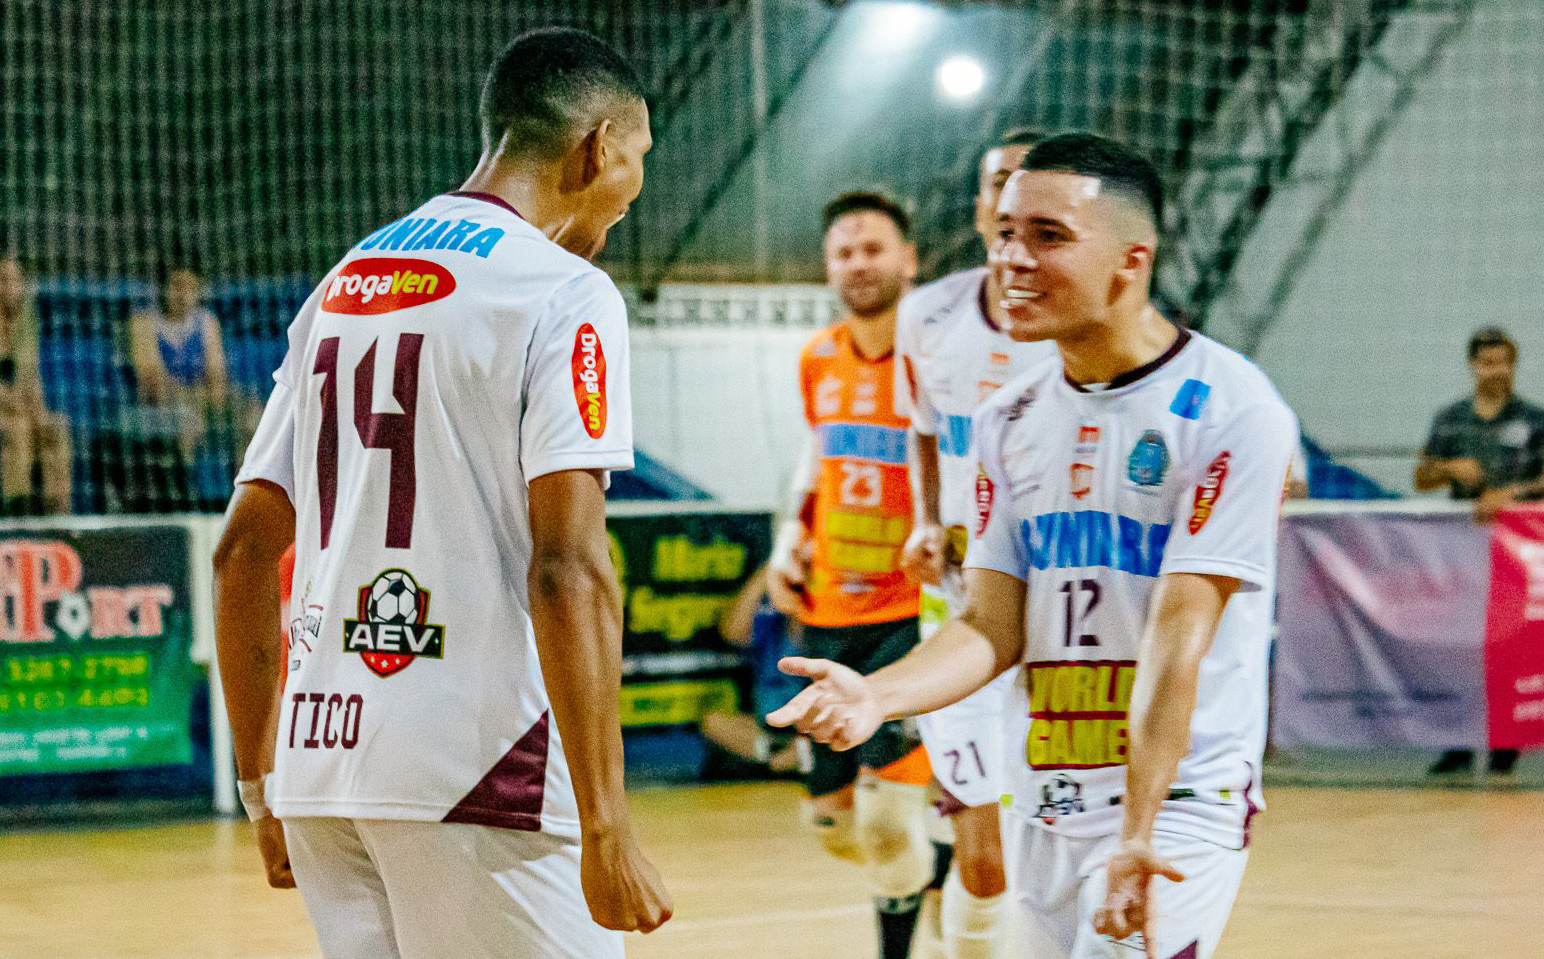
[1124,554]
[445,756]
[954,351]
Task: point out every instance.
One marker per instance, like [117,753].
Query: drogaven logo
[589,366]
[380,284]
[1208,492]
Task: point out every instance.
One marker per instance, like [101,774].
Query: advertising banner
[95,633]
[679,573]
[1514,630]
[1381,643]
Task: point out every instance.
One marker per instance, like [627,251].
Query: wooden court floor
[1414,874]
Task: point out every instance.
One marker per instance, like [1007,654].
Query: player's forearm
[248,643]
[576,607]
[1187,610]
[951,664]
[927,478]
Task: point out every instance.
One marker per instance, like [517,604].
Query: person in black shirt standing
[1488,448]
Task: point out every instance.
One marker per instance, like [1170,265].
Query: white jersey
[449,359]
[1089,497]
[952,358]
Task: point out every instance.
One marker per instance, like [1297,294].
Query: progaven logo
[589,366]
[377,285]
[985,492]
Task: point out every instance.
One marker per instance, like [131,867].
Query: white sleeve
[1226,524]
[911,399]
[576,400]
[271,454]
[995,542]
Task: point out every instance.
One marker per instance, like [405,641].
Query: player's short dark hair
[1489,336]
[866,201]
[545,84]
[1118,168]
[1018,137]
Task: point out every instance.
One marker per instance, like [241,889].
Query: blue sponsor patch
[954,437]
[1190,400]
[1149,460]
[863,441]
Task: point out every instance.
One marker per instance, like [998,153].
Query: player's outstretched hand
[270,844]
[621,887]
[923,554]
[1128,901]
[837,707]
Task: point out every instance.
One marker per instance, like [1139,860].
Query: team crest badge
[1148,463]
[393,627]
[1062,796]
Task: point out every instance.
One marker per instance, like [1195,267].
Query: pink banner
[1514,630]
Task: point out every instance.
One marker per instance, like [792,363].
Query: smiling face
[868,261]
[1067,255]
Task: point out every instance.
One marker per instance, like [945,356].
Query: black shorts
[866,649]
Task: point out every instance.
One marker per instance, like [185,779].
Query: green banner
[679,573]
[95,633]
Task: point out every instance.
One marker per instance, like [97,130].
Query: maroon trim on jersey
[510,796]
[948,804]
[1250,809]
[1192,951]
[1146,369]
[486,198]
[981,304]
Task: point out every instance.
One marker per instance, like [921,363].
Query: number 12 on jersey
[392,432]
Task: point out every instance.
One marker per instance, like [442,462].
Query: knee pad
[891,826]
[971,924]
[836,832]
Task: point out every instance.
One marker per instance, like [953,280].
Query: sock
[943,856]
[897,921]
[971,925]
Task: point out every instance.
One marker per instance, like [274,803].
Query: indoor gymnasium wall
[1438,236]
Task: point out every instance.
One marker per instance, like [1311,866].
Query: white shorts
[1057,883]
[964,741]
[388,889]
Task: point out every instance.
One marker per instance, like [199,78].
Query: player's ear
[1137,267]
[596,152]
[911,261]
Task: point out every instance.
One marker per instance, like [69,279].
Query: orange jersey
[286,590]
[860,513]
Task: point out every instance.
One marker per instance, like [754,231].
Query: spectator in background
[1488,448]
[178,356]
[32,438]
[184,394]
[767,635]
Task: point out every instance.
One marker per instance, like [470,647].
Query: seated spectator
[33,439]
[183,394]
[751,622]
[1488,447]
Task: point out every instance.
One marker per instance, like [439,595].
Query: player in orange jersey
[837,566]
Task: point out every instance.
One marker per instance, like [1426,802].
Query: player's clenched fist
[837,707]
[621,887]
[923,554]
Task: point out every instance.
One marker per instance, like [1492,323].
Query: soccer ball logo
[395,598]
